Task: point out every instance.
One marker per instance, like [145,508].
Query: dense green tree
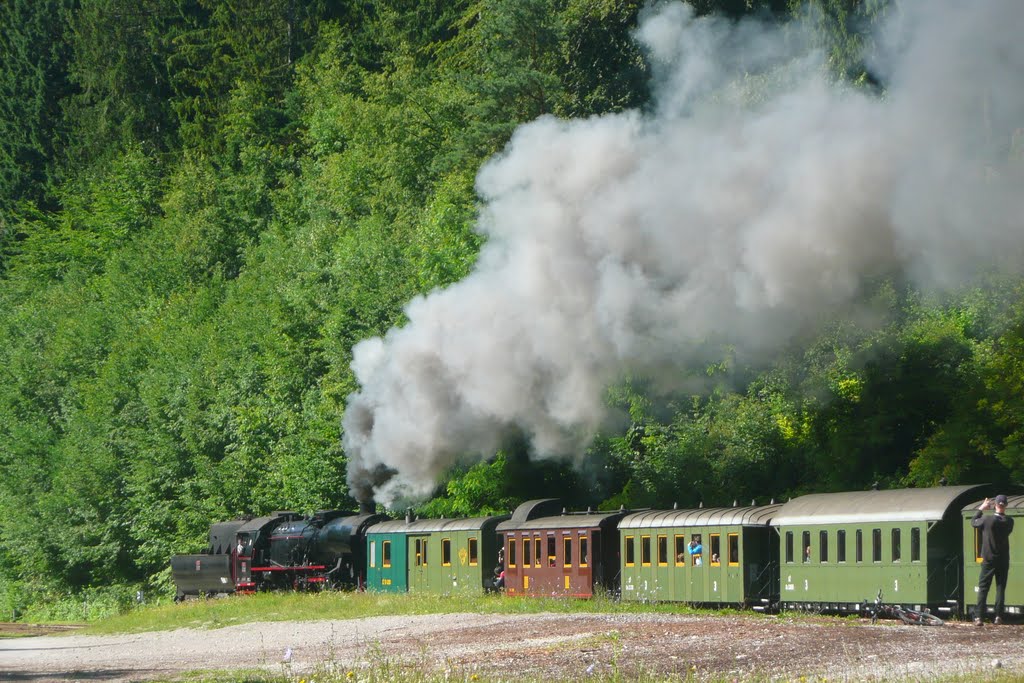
[602,69]
[843,30]
[119,59]
[34,58]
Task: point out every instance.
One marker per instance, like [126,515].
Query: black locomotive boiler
[280,550]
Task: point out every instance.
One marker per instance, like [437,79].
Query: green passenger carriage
[737,565]
[440,556]
[838,550]
[1014,598]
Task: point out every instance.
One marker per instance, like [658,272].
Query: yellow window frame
[567,551]
[734,559]
[662,550]
[715,541]
[584,550]
[474,551]
[629,553]
[645,551]
[446,552]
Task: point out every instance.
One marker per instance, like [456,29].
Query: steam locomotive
[282,550]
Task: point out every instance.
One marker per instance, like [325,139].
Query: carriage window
[789,546]
[526,552]
[373,553]
[385,554]
[716,550]
[511,552]
[645,551]
[584,551]
[567,550]
[552,561]
[421,552]
[841,546]
[446,552]
[897,551]
[977,545]
[734,550]
[915,544]
[823,546]
[806,546]
[860,545]
[630,552]
[662,551]
[876,545]
[537,557]
[473,553]
[680,551]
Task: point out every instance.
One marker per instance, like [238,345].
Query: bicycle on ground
[907,615]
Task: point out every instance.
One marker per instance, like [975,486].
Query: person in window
[499,569]
[695,549]
[995,554]
[807,554]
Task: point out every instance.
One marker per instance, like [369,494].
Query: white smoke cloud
[742,213]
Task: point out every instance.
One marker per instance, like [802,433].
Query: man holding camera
[995,555]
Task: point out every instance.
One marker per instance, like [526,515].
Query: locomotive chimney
[367,507]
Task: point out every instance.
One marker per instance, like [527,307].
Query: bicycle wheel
[916,618]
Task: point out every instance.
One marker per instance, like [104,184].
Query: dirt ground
[540,647]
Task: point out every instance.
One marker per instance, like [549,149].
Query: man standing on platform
[995,555]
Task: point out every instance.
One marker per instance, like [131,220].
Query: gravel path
[545,646]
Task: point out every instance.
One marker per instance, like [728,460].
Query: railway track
[9,629]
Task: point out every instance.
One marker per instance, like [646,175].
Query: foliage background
[205,204]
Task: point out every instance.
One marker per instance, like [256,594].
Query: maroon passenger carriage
[550,552]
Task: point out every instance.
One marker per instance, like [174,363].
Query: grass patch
[221,612]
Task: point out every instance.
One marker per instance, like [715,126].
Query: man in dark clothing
[995,555]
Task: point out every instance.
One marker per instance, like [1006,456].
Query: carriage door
[419,560]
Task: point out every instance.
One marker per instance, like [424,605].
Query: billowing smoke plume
[624,244]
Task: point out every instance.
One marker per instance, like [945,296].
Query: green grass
[220,612]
